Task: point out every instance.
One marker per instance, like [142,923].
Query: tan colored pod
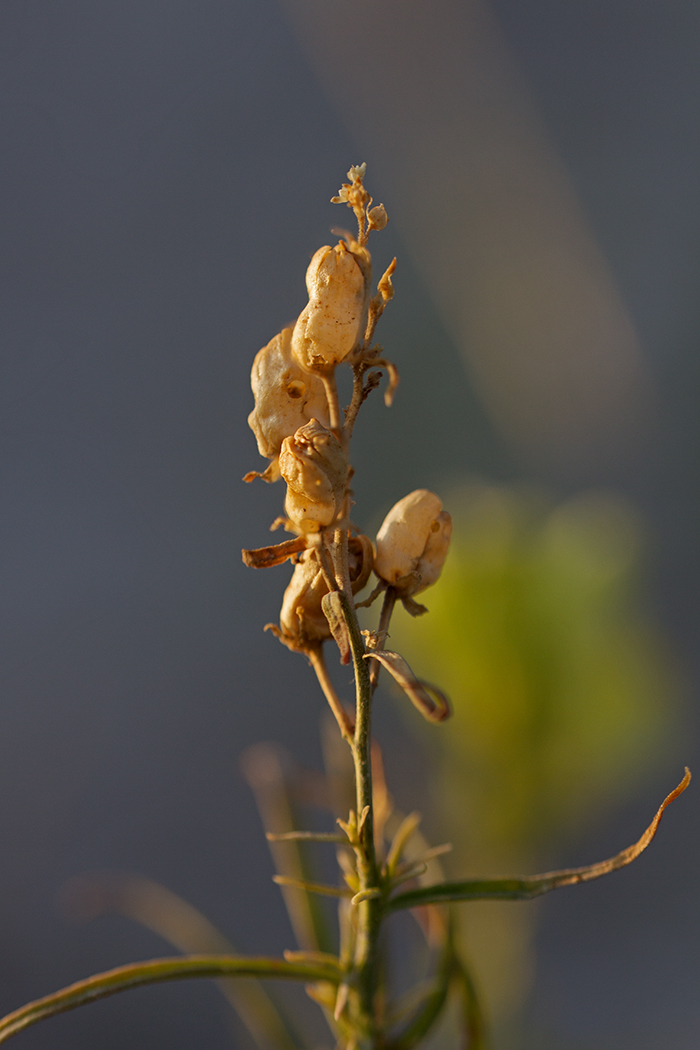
[286,397]
[333,322]
[412,543]
[302,622]
[315,466]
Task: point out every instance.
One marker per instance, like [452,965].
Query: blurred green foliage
[563,694]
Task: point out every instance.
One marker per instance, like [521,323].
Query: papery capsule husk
[303,623]
[412,543]
[286,397]
[333,322]
[315,466]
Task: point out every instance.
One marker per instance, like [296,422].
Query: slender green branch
[156,970]
[369,908]
[312,887]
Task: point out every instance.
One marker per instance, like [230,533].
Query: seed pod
[412,543]
[333,322]
[286,397]
[303,623]
[315,466]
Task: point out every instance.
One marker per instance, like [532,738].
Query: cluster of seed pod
[298,426]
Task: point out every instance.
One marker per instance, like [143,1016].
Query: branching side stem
[382,632]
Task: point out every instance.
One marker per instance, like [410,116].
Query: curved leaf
[154,970]
[532,885]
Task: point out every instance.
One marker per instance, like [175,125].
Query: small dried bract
[286,398]
[315,466]
[412,543]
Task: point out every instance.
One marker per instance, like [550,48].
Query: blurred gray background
[166,171]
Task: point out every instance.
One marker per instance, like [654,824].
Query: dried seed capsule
[412,543]
[315,466]
[286,397]
[333,322]
[303,623]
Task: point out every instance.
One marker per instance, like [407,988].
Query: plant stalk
[369,912]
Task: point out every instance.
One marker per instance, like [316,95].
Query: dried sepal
[272,473]
[267,557]
[333,322]
[377,217]
[385,286]
[286,398]
[412,543]
[315,466]
[333,611]
[428,699]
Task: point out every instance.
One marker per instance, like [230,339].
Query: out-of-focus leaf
[155,970]
[532,885]
[562,692]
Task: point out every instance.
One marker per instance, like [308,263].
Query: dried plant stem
[358,396]
[331,388]
[317,661]
[382,632]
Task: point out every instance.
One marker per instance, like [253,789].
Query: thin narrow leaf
[533,885]
[403,833]
[306,836]
[312,887]
[155,970]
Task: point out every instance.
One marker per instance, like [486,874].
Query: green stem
[369,910]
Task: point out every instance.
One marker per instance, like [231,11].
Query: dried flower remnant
[286,398]
[412,543]
[315,466]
